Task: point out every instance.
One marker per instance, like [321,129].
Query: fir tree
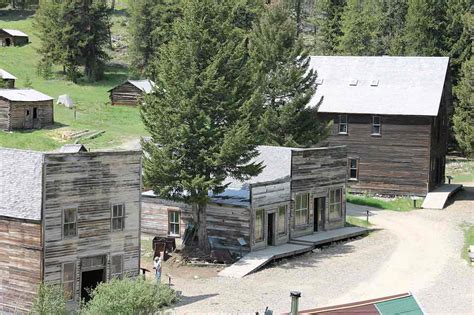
[199,115]
[395,12]
[327,25]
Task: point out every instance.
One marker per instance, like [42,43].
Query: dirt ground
[417,251]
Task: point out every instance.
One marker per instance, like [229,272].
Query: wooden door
[28,121]
[271,229]
[319,214]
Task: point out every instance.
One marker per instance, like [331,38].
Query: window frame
[64,236]
[262,225]
[117,275]
[379,125]
[73,281]
[345,123]
[112,217]
[285,209]
[170,211]
[350,168]
[302,209]
[335,204]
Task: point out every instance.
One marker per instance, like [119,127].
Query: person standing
[157,267]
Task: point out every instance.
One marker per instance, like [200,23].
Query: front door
[271,229]
[89,281]
[319,214]
[28,122]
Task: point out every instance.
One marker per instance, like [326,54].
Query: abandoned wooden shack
[130,92]
[12,38]
[8,80]
[70,219]
[25,109]
[299,192]
[392,113]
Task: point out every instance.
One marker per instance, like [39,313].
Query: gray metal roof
[72,148]
[24,95]
[144,85]
[14,32]
[380,85]
[6,75]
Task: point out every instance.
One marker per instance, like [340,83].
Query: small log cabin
[70,219]
[130,92]
[25,109]
[8,80]
[392,113]
[299,192]
[12,38]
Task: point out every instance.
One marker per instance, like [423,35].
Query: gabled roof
[14,32]
[24,95]
[144,85]
[6,75]
[379,85]
[72,148]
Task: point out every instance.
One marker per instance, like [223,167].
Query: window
[343,124]
[69,222]
[259,225]
[35,113]
[173,223]
[118,217]
[376,125]
[301,209]
[68,279]
[27,112]
[282,220]
[116,266]
[353,168]
[335,204]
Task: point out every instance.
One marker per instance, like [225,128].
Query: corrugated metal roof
[6,75]
[144,85]
[405,85]
[24,95]
[14,32]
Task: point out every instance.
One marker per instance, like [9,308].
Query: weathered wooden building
[8,80]
[25,109]
[299,192]
[70,219]
[392,113]
[12,38]
[130,92]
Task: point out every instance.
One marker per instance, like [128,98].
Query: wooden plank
[437,198]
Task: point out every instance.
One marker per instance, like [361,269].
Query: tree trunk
[202,228]
[112,6]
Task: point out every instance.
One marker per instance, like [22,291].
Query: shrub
[129,296]
[50,300]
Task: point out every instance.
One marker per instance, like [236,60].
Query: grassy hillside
[93,111]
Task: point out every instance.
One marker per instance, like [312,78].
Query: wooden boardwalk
[257,259]
[437,198]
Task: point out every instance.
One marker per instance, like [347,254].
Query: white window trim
[356,169]
[343,124]
[378,125]
[177,223]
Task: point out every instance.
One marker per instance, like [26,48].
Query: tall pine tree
[199,116]
[327,25]
[395,12]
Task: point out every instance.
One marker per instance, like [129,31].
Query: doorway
[28,122]
[271,229]
[89,281]
[8,42]
[319,214]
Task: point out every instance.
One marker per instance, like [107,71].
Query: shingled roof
[379,85]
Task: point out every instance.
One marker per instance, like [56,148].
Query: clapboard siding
[92,183]
[125,94]
[154,219]
[20,263]
[20,120]
[14,40]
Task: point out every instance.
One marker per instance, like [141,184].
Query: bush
[50,300]
[129,296]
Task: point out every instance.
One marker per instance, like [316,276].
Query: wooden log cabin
[25,109]
[70,219]
[299,192]
[392,113]
[12,38]
[8,80]
[130,92]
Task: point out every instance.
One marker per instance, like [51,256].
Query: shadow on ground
[185,300]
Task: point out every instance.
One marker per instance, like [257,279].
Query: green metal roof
[406,305]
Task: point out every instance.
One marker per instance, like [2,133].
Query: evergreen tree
[395,12]
[199,115]
[362,28]
[281,71]
[327,25]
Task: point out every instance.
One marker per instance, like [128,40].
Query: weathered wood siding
[20,264]
[10,83]
[19,119]
[154,219]
[317,171]
[125,94]
[14,40]
[92,183]
[396,162]
[4,114]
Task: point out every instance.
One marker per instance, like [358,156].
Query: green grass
[93,111]
[468,240]
[357,222]
[396,204]
[462,170]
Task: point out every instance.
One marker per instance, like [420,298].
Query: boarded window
[335,204]
[173,223]
[259,225]
[116,266]
[343,124]
[376,125]
[282,220]
[68,280]
[118,217]
[301,209]
[353,169]
[69,222]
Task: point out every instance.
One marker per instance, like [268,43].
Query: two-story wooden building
[70,219]
[299,192]
[393,115]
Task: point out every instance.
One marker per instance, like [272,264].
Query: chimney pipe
[295,295]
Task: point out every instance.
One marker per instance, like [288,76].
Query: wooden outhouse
[8,80]
[393,115]
[130,92]
[299,192]
[70,219]
[25,109]
[12,38]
